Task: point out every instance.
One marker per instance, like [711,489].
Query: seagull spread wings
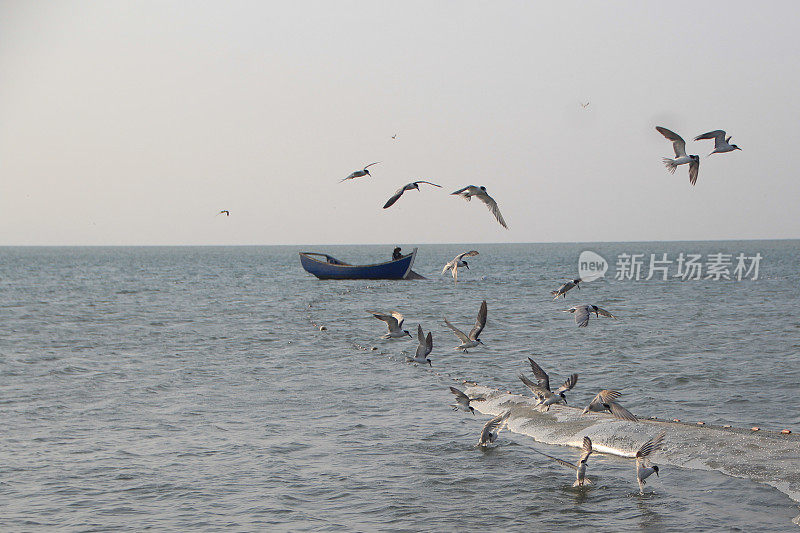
[678,144]
[394,321]
[399,192]
[480,192]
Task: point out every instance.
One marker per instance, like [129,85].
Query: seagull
[227,213]
[562,290]
[492,428]
[582,313]
[394,136]
[584,105]
[643,467]
[399,192]
[424,349]
[580,468]
[360,173]
[480,192]
[462,401]
[679,145]
[604,401]
[471,340]
[457,262]
[395,324]
[721,143]
[542,390]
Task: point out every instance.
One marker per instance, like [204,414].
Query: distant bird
[679,145]
[463,401]
[584,105]
[395,324]
[225,211]
[582,313]
[471,340]
[457,262]
[643,467]
[394,136]
[605,401]
[480,192]
[492,428]
[562,290]
[424,349]
[721,143]
[360,173]
[399,192]
[542,390]
[580,468]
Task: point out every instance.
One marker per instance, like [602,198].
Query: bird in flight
[643,467]
[580,468]
[721,143]
[542,390]
[584,105]
[359,173]
[582,313]
[605,401]
[471,340]
[463,401]
[681,158]
[458,262]
[399,192]
[424,349]
[394,136]
[394,323]
[226,212]
[480,192]
[492,428]
[563,289]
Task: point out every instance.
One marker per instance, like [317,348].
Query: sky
[135,123]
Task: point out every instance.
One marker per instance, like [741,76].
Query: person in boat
[396,254]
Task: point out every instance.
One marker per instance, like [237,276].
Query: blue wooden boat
[325,266]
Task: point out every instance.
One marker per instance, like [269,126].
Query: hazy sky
[136,122]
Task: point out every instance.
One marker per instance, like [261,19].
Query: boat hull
[331,268]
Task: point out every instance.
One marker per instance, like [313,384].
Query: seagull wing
[717,135]
[460,396]
[587,449]
[494,424]
[428,182]
[568,384]
[606,396]
[651,446]
[448,266]
[535,388]
[556,459]
[620,412]
[460,334]
[678,144]
[694,169]
[420,337]
[429,343]
[492,205]
[398,193]
[391,321]
[582,316]
[397,316]
[459,257]
[480,323]
[603,312]
[541,375]
[375,163]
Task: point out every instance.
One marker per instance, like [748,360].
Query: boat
[325,266]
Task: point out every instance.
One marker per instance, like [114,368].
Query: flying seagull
[643,467]
[562,290]
[492,428]
[584,105]
[471,340]
[582,313]
[463,401]
[480,192]
[457,262]
[424,349]
[225,211]
[721,143]
[580,468]
[605,401]
[395,324]
[542,390]
[399,192]
[394,136]
[360,173]
[679,145]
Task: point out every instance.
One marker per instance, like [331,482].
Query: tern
[457,262]
[399,192]
[580,468]
[480,192]
[360,173]
[584,105]
[395,324]
[463,401]
[679,145]
[562,290]
[643,467]
[605,401]
[225,212]
[471,340]
[582,313]
[492,429]
[424,349]
[721,142]
[542,390]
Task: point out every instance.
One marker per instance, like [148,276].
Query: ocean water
[191,389]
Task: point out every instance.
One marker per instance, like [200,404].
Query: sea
[226,389]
